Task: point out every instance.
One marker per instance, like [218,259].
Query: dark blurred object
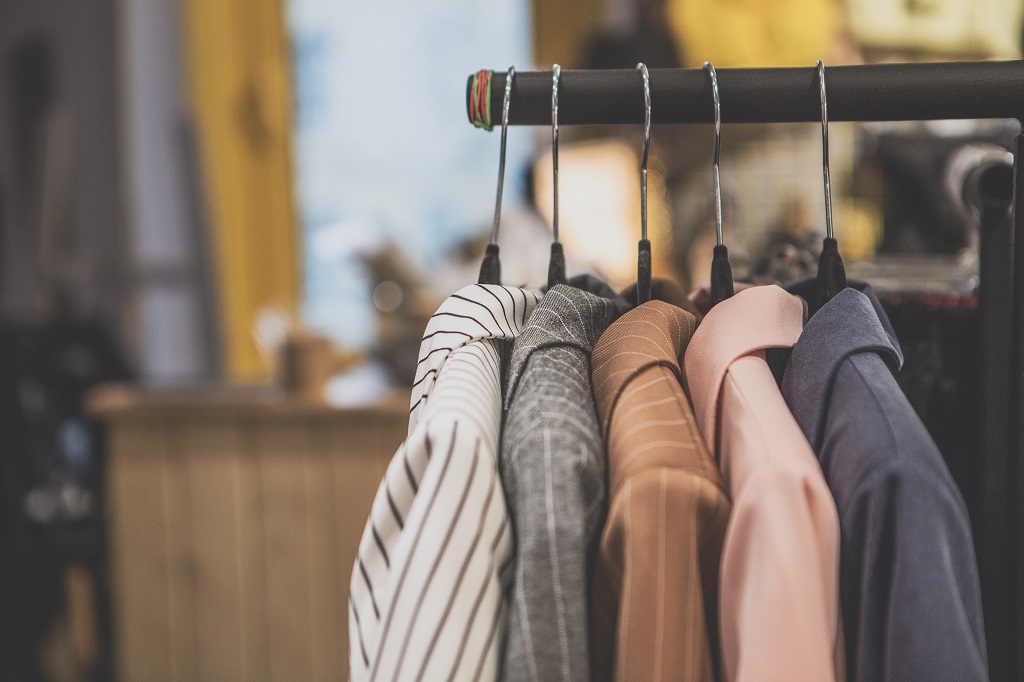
[52,528]
[941,338]
[51,471]
[654,46]
[924,209]
[931,237]
[401,312]
[645,37]
[59,151]
[30,76]
[307,362]
[787,258]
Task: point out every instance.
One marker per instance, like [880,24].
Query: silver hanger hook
[717,154]
[642,68]
[824,152]
[501,159]
[556,76]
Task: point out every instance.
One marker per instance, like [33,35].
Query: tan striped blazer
[654,599]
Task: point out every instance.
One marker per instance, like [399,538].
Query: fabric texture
[426,599]
[655,597]
[779,605]
[553,468]
[909,577]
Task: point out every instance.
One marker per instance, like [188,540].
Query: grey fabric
[553,467]
[909,582]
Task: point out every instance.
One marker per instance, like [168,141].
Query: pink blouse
[779,600]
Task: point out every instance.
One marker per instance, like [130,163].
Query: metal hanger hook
[642,68]
[501,159]
[556,76]
[717,153]
[824,151]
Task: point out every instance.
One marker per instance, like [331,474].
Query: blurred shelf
[118,402]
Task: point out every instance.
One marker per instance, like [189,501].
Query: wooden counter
[234,521]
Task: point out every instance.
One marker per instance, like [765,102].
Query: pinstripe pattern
[655,596]
[426,600]
[553,468]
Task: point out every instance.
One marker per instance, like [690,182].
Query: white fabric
[427,595]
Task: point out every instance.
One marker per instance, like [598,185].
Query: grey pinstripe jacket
[553,466]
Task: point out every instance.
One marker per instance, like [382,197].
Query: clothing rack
[879,92]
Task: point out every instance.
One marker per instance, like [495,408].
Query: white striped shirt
[427,596]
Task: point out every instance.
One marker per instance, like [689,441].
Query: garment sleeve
[434,609]
[910,585]
[655,592]
[910,577]
[780,593]
[780,612]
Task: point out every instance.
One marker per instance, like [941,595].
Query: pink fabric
[779,600]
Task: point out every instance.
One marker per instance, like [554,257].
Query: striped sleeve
[426,597]
[478,311]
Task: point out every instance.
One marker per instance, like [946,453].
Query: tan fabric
[654,599]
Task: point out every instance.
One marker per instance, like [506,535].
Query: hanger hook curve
[717,152]
[722,286]
[643,263]
[642,68]
[501,159]
[556,76]
[824,151]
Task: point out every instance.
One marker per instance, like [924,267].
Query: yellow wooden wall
[238,80]
[561,30]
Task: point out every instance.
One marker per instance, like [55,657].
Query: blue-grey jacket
[911,597]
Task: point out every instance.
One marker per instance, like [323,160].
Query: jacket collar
[852,322]
[572,315]
[653,334]
[807,289]
[752,320]
[473,313]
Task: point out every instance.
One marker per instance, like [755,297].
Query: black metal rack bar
[995,523]
[877,92]
[1015,469]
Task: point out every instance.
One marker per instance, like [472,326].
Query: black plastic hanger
[643,266]
[556,266]
[721,271]
[831,271]
[490,268]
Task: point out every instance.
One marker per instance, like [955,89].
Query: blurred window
[384,151]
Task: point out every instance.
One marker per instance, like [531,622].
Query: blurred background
[223,225]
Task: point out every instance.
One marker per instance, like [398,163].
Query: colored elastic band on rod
[480,100]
